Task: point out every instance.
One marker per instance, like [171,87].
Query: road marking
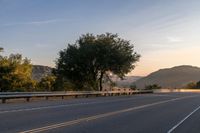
[72,122]
[179,123]
[69,105]
[164,95]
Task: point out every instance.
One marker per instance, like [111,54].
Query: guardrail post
[46,97]
[28,99]
[4,100]
[62,97]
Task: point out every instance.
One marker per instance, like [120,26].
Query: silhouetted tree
[198,85]
[87,61]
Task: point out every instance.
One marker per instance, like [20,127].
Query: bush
[47,83]
[15,73]
[151,87]
[133,87]
[193,85]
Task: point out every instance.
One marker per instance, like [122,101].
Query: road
[152,113]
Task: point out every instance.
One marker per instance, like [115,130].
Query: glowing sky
[165,32]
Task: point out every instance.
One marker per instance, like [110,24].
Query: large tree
[15,73]
[91,58]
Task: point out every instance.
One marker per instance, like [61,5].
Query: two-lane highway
[152,113]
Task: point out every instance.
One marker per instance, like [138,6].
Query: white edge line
[179,123]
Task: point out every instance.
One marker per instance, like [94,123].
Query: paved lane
[191,124]
[150,113]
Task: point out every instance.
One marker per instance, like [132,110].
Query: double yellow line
[72,122]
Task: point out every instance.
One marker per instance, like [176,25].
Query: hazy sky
[165,32]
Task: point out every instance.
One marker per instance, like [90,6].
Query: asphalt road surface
[146,113]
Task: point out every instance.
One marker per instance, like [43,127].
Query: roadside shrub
[151,87]
[133,87]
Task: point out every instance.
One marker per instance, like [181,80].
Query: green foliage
[15,73]
[64,85]
[133,87]
[151,87]
[47,83]
[86,62]
[1,49]
[113,84]
[193,85]
[198,85]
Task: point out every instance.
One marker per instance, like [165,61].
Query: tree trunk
[100,81]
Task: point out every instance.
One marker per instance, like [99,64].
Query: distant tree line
[84,65]
[147,87]
[193,85]
[152,87]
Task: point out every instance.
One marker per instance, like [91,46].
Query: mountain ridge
[40,71]
[175,77]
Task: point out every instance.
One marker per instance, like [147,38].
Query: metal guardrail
[47,95]
[23,93]
[176,90]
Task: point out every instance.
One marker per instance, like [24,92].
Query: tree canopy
[193,85]
[15,73]
[86,62]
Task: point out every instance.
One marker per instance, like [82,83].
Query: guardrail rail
[47,95]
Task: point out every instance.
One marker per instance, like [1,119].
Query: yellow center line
[72,122]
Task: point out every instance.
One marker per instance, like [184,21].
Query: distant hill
[40,71]
[126,82]
[175,77]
